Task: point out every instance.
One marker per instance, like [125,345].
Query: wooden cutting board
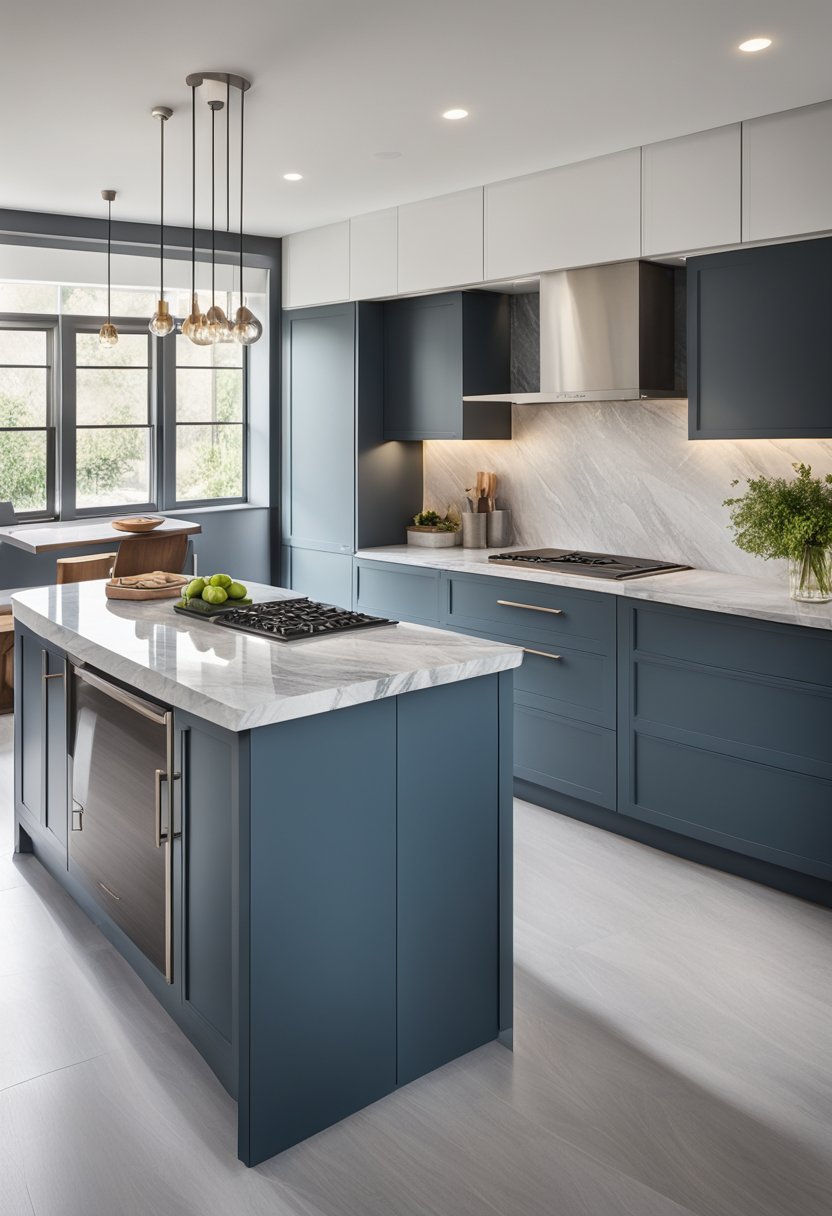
[172,589]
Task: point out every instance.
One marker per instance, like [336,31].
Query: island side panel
[506,762]
[321,925]
[448,873]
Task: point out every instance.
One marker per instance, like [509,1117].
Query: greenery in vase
[432,519]
[778,517]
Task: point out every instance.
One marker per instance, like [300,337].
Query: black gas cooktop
[577,561]
[291,620]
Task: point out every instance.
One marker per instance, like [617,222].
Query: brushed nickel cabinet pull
[544,654]
[113,895]
[159,777]
[530,607]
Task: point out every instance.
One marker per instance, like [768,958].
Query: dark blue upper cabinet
[438,349]
[759,326]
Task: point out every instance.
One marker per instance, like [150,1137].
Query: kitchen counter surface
[765,599]
[240,681]
[83,533]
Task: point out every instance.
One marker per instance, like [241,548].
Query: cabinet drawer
[770,813]
[518,610]
[737,644]
[791,722]
[574,758]
[572,683]
[404,593]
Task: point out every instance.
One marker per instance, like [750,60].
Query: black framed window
[108,416]
[27,414]
[206,418]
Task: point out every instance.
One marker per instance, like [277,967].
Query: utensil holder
[474,529]
[498,529]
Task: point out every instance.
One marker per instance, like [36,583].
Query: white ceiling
[337,81]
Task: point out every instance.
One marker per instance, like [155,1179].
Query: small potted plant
[434,531]
[789,518]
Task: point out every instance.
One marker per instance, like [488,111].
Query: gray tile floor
[673,1055]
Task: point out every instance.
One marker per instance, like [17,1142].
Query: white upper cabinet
[440,242]
[691,195]
[787,173]
[374,255]
[316,266]
[572,216]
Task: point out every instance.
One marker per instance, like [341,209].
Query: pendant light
[195,326]
[247,329]
[218,326]
[162,323]
[108,334]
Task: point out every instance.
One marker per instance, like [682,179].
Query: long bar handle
[124,698]
[530,607]
[159,776]
[544,654]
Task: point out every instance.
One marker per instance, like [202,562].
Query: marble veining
[620,477]
[240,681]
[710,590]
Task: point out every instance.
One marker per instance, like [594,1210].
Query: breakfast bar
[258,827]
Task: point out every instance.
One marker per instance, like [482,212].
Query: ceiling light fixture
[752,45]
[108,334]
[293,177]
[455,115]
[195,325]
[218,327]
[162,323]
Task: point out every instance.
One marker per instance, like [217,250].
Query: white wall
[619,477]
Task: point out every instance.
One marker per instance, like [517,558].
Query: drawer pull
[112,894]
[544,654]
[531,607]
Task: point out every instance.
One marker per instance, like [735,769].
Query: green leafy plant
[778,517]
[432,519]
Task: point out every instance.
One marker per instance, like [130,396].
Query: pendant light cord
[193,195]
[228,156]
[162,215]
[242,144]
[109,232]
[213,205]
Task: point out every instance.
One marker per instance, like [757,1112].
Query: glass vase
[810,575]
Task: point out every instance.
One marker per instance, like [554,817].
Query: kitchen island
[304,849]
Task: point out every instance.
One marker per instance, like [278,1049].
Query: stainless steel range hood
[606,334]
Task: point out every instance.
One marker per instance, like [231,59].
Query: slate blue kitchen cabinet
[343,485]
[438,349]
[724,730]
[405,593]
[758,342]
[40,759]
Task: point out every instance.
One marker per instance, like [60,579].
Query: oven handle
[160,716]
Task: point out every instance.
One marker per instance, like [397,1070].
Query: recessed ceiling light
[751,45]
[455,115]
[292,177]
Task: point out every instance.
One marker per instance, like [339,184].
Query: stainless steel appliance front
[121,842]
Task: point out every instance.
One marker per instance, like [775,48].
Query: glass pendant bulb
[247,329]
[195,326]
[162,323]
[108,334]
[218,324]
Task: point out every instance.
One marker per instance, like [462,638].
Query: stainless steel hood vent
[607,333]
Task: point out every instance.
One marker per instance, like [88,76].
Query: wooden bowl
[138,523]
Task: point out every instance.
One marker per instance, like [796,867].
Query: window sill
[178,512]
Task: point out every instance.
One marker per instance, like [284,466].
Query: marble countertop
[240,681]
[81,533]
[765,599]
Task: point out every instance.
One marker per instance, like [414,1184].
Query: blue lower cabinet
[405,593]
[319,574]
[563,754]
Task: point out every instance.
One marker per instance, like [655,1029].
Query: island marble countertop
[765,599]
[240,681]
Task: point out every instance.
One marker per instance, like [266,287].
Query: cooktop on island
[290,620]
[594,565]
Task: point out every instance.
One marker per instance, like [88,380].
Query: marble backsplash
[619,477]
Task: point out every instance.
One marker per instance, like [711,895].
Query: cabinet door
[691,192]
[787,173]
[576,215]
[319,427]
[28,722]
[316,266]
[374,255]
[440,242]
[322,576]
[40,708]
[423,368]
[55,692]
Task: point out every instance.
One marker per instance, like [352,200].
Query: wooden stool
[6,660]
[141,554]
[82,569]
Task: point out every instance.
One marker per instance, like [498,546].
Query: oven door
[121,848]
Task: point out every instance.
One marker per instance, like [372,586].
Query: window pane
[23,469]
[92,302]
[112,466]
[209,462]
[205,394]
[131,350]
[29,297]
[224,354]
[23,396]
[111,396]
[23,346]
